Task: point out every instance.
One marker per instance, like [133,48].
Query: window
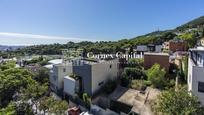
[201,86]
[199,58]
[100,83]
[55,78]
[110,66]
[64,69]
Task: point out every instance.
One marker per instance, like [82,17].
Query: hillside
[191,32]
[196,23]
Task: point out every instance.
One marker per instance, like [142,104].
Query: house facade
[148,48]
[57,74]
[175,45]
[196,72]
[90,76]
[160,58]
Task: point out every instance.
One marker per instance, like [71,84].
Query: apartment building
[196,72]
[154,48]
[175,45]
[91,76]
[148,48]
[161,58]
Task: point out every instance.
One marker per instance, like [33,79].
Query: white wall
[69,85]
[57,74]
[102,72]
[195,75]
[61,73]
[141,48]
[158,48]
[198,76]
[53,79]
[190,73]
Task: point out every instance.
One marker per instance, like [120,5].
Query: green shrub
[171,83]
[125,81]
[135,62]
[7,65]
[147,83]
[86,99]
[134,73]
[138,84]
[110,86]
[157,76]
[43,62]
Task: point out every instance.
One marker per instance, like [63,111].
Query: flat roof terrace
[134,98]
[159,54]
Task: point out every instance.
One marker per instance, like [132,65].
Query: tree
[177,102]
[34,92]
[60,107]
[168,36]
[157,76]
[16,108]
[130,52]
[86,99]
[134,73]
[52,105]
[11,81]
[23,108]
[131,73]
[46,104]
[125,80]
[138,84]
[9,110]
[191,39]
[185,68]
[135,62]
[7,65]
[42,75]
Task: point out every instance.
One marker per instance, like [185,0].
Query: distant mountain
[196,23]
[190,32]
[10,48]
[161,36]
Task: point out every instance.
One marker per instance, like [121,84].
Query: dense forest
[190,32]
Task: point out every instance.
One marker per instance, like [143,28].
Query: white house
[53,62]
[142,48]
[57,74]
[158,48]
[196,72]
[69,85]
[91,75]
[149,48]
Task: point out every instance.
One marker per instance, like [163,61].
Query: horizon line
[24,36]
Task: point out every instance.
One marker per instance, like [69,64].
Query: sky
[28,22]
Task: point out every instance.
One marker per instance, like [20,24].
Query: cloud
[7,38]
[19,35]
